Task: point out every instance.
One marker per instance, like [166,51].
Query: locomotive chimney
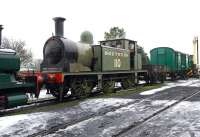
[1,27]
[59,26]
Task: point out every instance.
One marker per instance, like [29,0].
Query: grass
[56,106]
[47,108]
[125,93]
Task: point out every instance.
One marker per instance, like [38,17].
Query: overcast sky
[152,23]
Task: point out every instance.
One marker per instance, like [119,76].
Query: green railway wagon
[164,56]
[187,61]
[183,62]
[178,61]
[190,61]
[177,64]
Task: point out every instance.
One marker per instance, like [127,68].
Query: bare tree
[25,55]
[37,63]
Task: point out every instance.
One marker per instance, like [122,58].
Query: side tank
[10,62]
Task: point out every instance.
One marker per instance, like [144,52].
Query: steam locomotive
[12,91]
[80,67]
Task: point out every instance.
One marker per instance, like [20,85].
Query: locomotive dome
[86,37]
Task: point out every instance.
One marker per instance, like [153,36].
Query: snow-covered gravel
[113,122]
[190,82]
[27,124]
[181,120]
[118,113]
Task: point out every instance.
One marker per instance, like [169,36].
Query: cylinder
[59,26]
[16,99]
[1,27]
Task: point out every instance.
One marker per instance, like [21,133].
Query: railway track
[62,126]
[29,105]
[134,125]
[184,95]
[33,104]
[49,101]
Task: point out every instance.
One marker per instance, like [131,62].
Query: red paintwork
[38,79]
[56,78]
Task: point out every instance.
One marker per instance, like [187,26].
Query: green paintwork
[190,61]
[86,37]
[183,61]
[16,99]
[137,61]
[164,56]
[13,85]
[4,78]
[97,58]
[109,59]
[174,60]
[115,59]
[8,84]
[9,62]
[187,61]
[178,61]
[14,91]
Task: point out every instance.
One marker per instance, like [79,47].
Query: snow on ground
[162,102]
[153,91]
[6,122]
[43,94]
[182,120]
[97,104]
[190,82]
[195,85]
[141,82]
[114,121]
[27,124]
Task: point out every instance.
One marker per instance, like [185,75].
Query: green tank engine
[12,92]
[81,66]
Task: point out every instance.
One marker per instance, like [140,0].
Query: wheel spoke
[108,86]
[126,83]
[56,92]
[81,88]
